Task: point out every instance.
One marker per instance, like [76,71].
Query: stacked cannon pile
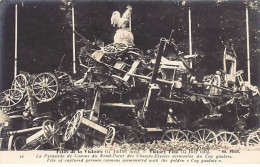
[120,95]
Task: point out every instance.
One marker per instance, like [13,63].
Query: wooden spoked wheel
[110,136]
[19,83]
[253,139]
[51,132]
[228,138]
[128,136]
[114,48]
[204,136]
[73,125]
[10,97]
[174,135]
[19,143]
[45,87]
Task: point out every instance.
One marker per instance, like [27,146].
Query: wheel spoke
[196,138]
[232,141]
[12,101]
[199,135]
[230,137]
[211,139]
[177,135]
[203,136]
[207,136]
[39,92]
[181,137]
[254,140]
[221,138]
[50,82]
[257,137]
[168,137]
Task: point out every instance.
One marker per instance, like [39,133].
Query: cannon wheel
[10,97]
[253,139]
[45,87]
[204,136]
[19,143]
[173,135]
[110,136]
[51,132]
[73,125]
[128,135]
[19,83]
[114,48]
[228,138]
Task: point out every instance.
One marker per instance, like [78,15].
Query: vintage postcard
[84,81]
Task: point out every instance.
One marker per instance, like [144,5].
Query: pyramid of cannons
[121,95]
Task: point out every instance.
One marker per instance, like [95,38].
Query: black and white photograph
[108,81]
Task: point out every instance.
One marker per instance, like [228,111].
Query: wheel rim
[19,143]
[228,138]
[51,133]
[128,136]
[114,48]
[188,133]
[110,136]
[10,97]
[45,87]
[19,83]
[253,139]
[73,125]
[204,136]
[174,135]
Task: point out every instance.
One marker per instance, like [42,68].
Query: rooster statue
[123,34]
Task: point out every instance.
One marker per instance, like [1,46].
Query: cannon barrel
[158,60]
[24,130]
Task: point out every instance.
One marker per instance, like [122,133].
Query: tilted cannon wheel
[45,87]
[253,139]
[228,138]
[51,131]
[19,143]
[110,135]
[114,48]
[173,135]
[204,136]
[19,83]
[73,125]
[10,97]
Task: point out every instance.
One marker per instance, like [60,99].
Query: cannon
[36,137]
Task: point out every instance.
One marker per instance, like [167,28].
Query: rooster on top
[123,34]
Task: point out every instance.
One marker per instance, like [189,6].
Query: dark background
[45,32]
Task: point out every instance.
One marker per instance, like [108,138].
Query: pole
[248,52]
[15,47]
[73,38]
[190,43]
